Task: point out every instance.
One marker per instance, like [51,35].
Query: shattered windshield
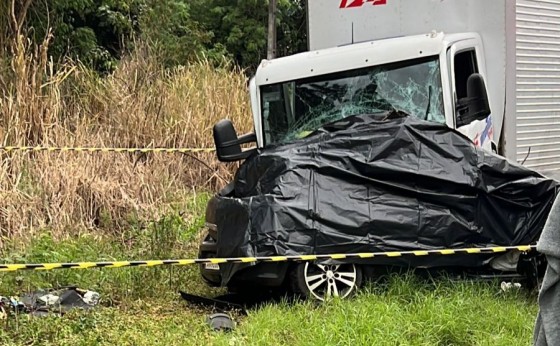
[294,109]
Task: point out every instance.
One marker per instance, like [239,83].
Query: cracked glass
[294,109]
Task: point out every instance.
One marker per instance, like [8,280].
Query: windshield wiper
[430,89]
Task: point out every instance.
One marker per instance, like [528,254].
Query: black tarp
[384,182]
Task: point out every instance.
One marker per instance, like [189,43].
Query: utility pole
[271,51]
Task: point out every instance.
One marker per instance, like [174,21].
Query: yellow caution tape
[182,262]
[107,150]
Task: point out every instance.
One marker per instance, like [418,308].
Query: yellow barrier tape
[308,257]
[106,150]
[182,262]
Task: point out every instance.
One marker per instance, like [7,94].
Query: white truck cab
[295,95]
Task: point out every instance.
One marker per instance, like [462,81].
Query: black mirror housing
[228,145]
[475,106]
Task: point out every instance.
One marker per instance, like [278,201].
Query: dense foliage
[240,26]
[99,31]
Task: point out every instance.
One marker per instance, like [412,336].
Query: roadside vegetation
[139,105]
[156,92]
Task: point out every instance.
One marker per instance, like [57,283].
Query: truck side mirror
[475,106]
[228,145]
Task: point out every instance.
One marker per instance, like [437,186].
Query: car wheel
[323,281]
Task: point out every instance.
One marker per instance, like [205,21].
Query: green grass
[405,312]
[173,236]
[141,306]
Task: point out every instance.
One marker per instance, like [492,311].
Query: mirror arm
[242,156]
[248,138]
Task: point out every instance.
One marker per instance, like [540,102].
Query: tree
[271,51]
[95,31]
[98,31]
[292,29]
[237,25]
[241,27]
[167,25]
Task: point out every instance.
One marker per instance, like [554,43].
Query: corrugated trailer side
[538,83]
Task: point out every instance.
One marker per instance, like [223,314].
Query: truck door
[465,58]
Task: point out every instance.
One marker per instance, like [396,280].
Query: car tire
[323,281]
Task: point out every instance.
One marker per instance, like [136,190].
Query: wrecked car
[375,182]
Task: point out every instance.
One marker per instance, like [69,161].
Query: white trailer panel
[538,83]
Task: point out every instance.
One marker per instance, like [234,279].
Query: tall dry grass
[139,105]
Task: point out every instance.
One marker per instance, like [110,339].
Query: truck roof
[349,57]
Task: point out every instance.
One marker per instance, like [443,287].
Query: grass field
[141,306]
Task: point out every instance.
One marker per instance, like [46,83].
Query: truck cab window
[293,109]
[465,65]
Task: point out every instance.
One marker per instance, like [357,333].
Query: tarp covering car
[380,182]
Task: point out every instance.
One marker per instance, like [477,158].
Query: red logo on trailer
[360,3]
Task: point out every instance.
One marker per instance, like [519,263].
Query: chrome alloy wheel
[325,281]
